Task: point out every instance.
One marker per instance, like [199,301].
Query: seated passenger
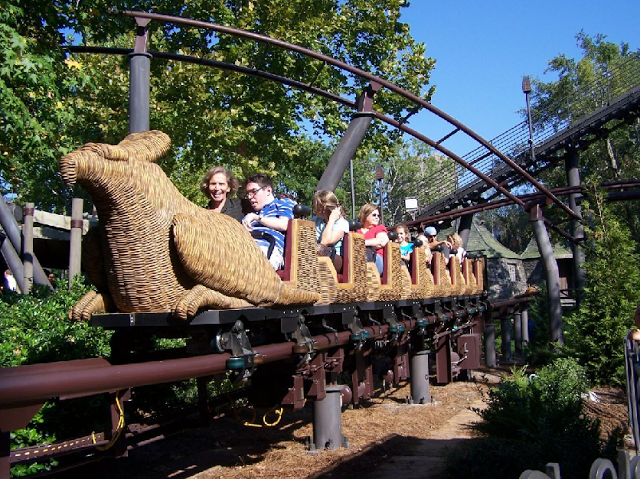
[375,234]
[435,245]
[427,251]
[406,248]
[456,246]
[270,215]
[331,226]
[219,185]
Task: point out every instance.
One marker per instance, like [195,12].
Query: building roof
[532,252]
[482,243]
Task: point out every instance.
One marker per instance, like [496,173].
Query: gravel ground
[388,439]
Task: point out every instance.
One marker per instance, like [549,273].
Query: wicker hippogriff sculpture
[154,250]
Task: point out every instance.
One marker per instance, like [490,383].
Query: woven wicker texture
[478,270]
[356,289]
[157,246]
[424,287]
[458,284]
[304,261]
[470,279]
[406,283]
[443,282]
[328,281]
[373,283]
[393,289]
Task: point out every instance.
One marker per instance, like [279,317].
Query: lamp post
[526,89]
[379,178]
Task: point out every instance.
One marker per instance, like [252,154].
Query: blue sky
[483,48]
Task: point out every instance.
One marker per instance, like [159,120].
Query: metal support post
[464,228]
[12,230]
[350,141]
[552,274]
[525,326]
[490,342]
[75,240]
[420,392]
[517,330]
[140,65]
[327,420]
[27,247]
[577,230]
[505,332]
[444,372]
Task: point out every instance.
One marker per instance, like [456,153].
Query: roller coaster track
[550,140]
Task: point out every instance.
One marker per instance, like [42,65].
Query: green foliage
[605,71]
[594,332]
[58,102]
[36,328]
[405,165]
[530,421]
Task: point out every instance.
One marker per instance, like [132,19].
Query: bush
[531,421]
[36,329]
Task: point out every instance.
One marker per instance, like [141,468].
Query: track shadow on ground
[397,457]
[226,443]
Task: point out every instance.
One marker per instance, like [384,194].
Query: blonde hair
[455,240]
[326,199]
[231,180]
[365,211]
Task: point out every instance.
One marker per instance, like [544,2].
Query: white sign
[411,203]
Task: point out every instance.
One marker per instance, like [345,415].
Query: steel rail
[221,65]
[371,77]
[530,197]
[35,384]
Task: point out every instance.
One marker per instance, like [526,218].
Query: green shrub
[530,421]
[36,329]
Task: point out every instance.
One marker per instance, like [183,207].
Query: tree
[595,331]
[405,164]
[40,119]
[215,116]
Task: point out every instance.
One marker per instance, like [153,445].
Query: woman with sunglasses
[375,234]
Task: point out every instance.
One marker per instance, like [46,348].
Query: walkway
[426,459]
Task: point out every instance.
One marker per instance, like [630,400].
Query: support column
[139,65]
[577,230]
[420,392]
[489,341]
[464,228]
[75,239]
[12,231]
[525,326]
[350,141]
[517,330]
[27,247]
[505,332]
[327,420]
[552,275]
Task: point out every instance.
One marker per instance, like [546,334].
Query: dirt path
[425,458]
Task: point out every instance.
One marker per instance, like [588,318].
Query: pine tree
[595,331]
